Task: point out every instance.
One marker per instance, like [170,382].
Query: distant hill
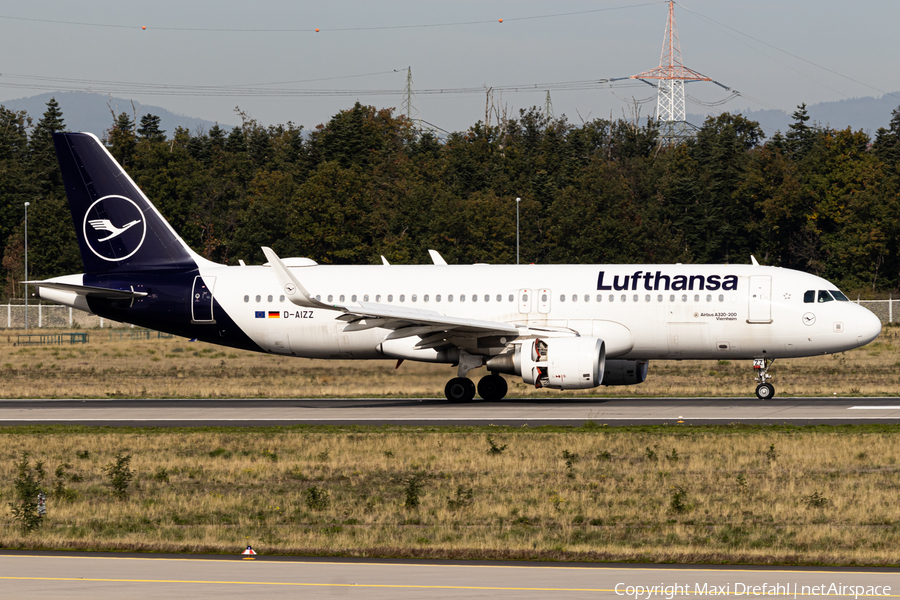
[867,113]
[83,111]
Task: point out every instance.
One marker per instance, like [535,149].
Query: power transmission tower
[672,74]
[408,107]
[548,107]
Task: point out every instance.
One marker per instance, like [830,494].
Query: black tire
[765,391]
[459,389]
[492,387]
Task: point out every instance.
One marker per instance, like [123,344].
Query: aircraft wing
[405,321]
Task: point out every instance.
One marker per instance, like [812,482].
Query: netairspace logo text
[648,592]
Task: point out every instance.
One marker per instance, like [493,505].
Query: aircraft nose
[868,326]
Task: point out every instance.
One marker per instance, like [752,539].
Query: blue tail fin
[118,228]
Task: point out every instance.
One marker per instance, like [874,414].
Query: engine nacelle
[625,372]
[562,363]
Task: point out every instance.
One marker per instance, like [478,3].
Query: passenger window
[330,298]
[624,298]
[281,298]
[671,297]
[500,298]
[425,298]
[378,298]
[512,298]
[524,297]
[574,297]
[709,297]
[414,297]
[402,297]
[809,296]
[353,298]
[450,298]
[341,298]
[462,297]
[318,297]
[696,297]
[543,297]
[259,298]
[612,298]
[474,297]
[721,297]
[684,297]
[487,298]
[365,297]
[824,296]
[840,297]
[246,298]
[599,297]
[390,297]
[437,298]
[659,298]
[587,297]
[270,298]
[647,298]
[562,297]
[635,297]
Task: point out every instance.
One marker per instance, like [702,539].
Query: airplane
[562,327]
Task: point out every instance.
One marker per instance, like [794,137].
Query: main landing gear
[462,389]
[765,390]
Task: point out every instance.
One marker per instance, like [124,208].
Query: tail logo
[114,228]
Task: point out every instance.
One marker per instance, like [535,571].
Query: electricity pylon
[672,74]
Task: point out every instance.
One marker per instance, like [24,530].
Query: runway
[101,577]
[424,412]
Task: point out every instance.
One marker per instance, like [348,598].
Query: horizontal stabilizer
[87,290]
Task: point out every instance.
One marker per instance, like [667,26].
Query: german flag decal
[274,314]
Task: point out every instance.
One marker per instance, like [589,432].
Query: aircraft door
[543,298]
[525,300]
[760,299]
[202,300]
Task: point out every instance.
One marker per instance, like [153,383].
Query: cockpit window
[809,296]
[839,296]
[824,296]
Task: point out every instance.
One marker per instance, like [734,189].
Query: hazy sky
[760,48]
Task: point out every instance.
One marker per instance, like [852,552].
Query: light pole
[27,204]
[517,229]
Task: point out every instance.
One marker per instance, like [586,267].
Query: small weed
[317,498]
[815,500]
[672,457]
[571,458]
[463,498]
[649,453]
[771,453]
[27,485]
[743,485]
[604,456]
[388,454]
[413,484]
[59,488]
[161,475]
[324,455]
[677,502]
[83,454]
[494,448]
[120,475]
[270,454]
[220,452]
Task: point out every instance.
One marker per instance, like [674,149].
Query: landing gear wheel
[492,387]
[765,391]
[459,389]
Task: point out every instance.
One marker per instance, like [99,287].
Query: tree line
[369,183]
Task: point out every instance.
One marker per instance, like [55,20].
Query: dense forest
[368,183]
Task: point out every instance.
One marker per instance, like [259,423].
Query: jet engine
[625,372]
[559,363]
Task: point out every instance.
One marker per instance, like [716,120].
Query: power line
[317,30]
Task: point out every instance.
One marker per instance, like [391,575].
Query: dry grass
[175,368]
[824,496]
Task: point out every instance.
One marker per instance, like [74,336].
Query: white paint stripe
[873,407]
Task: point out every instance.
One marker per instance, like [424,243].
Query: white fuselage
[660,312]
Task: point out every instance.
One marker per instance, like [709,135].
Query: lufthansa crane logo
[114,228]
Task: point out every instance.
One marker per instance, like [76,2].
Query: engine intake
[562,363]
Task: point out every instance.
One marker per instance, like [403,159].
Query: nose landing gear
[765,390]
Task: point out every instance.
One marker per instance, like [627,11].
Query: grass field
[788,495]
[176,368]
